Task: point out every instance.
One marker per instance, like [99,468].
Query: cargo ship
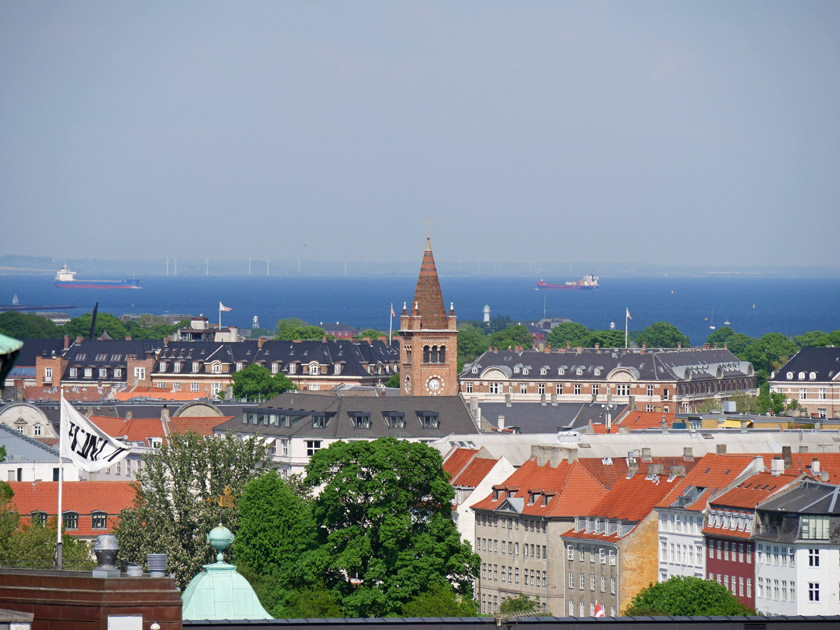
[66,279]
[587,283]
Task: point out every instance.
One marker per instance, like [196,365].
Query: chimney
[815,466]
[66,341]
[79,339]
[688,453]
[646,455]
[597,346]
[787,457]
[260,343]
[644,345]
[678,470]
[777,466]
[720,449]
[632,468]
[553,399]
[547,347]
[631,403]
[568,345]
[679,345]
[579,349]
[501,423]
[656,469]
[664,423]
[507,399]
[473,405]
[623,430]
[128,337]
[542,399]
[166,342]
[164,413]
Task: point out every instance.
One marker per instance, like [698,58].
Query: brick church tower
[429,348]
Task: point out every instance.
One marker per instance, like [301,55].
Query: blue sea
[752,305]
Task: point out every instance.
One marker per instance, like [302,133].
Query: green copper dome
[219,592]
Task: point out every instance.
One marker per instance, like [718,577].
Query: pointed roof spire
[427,295]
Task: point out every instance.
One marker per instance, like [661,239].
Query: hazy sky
[694,132]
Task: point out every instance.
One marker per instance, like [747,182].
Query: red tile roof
[157,393]
[639,420]
[82,497]
[752,491]
[801,462]
[141,429]
[457,460]
[474,473]
[89,393]
[632,499]
[569,488]
[712,472]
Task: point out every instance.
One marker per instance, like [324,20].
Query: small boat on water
[587,283]
[23,308]
[66,279]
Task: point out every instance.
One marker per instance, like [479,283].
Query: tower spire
[427,295]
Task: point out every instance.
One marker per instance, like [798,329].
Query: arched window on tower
[408,353]
[442,354]
[434,354]
[426,354]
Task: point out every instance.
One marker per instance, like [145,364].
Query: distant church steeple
[429,348]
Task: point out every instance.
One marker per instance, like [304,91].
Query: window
[360,420]
[582,581]
[162,366]
[814,528]
[622,389]
[98,520]
[117,372]
[595,389]
[39,518]
[665,394]
[37,429]
[571,608]
[314,369]
[803,393]
[749,587]
[523,388]
[176,366]
[239,366]
[48,374]
[217,368]
[571,579]
[577,391]
[195,366]
[428,419]
[71,520]
[88,372]
[469,387]
[495,388]
[312,446]
[558,389]
[813,591]
[612,586]
[139,373]
[282,448]
[193,387]
[603,584]
[541,388]
[582,609]
[821,393]
[74,372]
[176,387]
[103,372]
[821,413]
[813,557]
[570,553]
[591,582]
[581,553]
[612,557]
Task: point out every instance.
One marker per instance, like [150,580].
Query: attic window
[531,497]
[81,356]
[579,371]
[116,357]
[102,356]
[543,371]
[321,420]
[394,419]
[360,419]
[561,371]
[789,376]
[812,376]
[475,369]
[545,498]
[428,419]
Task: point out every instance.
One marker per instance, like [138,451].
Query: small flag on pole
[599,610]
[628,313]
[222,307]
[393,314]
[85,444]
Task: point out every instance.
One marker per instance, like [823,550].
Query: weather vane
[224,500]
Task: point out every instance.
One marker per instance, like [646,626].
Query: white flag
[90,448]
[628,313]
[222,307]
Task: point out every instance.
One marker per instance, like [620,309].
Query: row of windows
[581,610]
[621,389]
[215,367]
[101,373]
[511,548]
[738,586]
[781,556]
[98,519]
[680,523]
[601,554]
[177,386]
[778,590]
[490,604]
[581,582]
[507,522]
[740,553]
[510,575]
[675,553]
[359,419]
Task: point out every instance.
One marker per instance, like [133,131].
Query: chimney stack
[720,449]
[786,456]
[815,466]
[501,423]
[688,454]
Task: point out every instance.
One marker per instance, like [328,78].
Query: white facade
[681,544]
[463,515]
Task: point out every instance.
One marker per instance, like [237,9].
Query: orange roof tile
[83,394]
[639,420]
[632,499]
[474,473]
[712,472]
[801,463]
[141,429]
[569,488]
[457,460]
[157,393]
[82,497]
[750,492]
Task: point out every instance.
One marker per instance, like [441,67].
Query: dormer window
[561,371]
[88,372]
[337,368]
[101,356]
[531,497]
[98,520]
[176,367]
[74,372]
[475,369]
[314,369]
[360,419]
[217,368]
[238,366]
[117,372]
[38,518]
[812,376]
[543,371]
[103,372]
[275,367]
[428,419]
[394,419]
[163,366]
[579,371]
[545,499]
[195,366]
[789,376]
[292,368]
[321,420]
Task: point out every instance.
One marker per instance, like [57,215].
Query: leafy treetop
[683,595]
[256,382]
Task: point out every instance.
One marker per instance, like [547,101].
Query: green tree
[520,605]
[510,337]
[736,342]
[312,603]
[293,329]
[384,525]
[257,382]
[605,339]
[393,381]
[174,511]
[569,333]
[28,326]
[153,327]
[373,335]
[80,326]
[768,352]
[686,596]
[472,343]
[818,339]
[440,600]
[662,335]
[744,403]
[275,528]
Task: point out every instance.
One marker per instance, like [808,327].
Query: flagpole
[59,557]
[626,329]
[220,315]
[390,323]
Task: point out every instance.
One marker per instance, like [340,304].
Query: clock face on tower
[407,384]
[434,384]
